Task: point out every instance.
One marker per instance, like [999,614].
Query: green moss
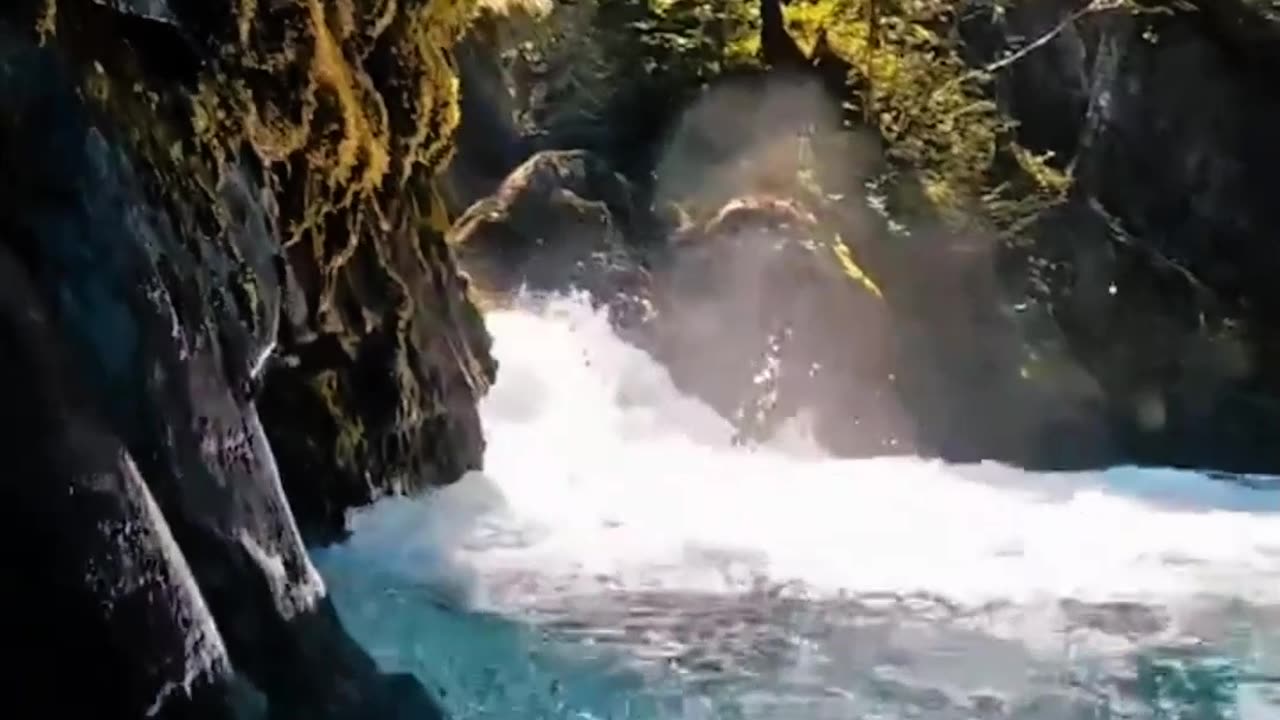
[906,79]
[851,269]
[47,20]
[350,443]
[933,109]
[348,153]
[349,108]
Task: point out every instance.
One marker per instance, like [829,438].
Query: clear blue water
[621,559]
[764,656]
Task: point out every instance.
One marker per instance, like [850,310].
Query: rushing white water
[607,490]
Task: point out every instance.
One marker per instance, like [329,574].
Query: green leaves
[936,112]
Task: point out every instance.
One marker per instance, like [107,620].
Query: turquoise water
[621,558]
[803,660]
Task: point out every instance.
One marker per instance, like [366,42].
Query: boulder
[765,310]
[561,221]
[756,313]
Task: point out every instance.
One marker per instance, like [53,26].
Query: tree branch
[1094,6]
[1047,37]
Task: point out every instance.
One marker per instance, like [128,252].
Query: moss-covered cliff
[345,110]
[218,210]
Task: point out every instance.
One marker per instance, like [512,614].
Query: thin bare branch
[1043,39]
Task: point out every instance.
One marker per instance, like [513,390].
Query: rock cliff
[229,315]
[1164,256]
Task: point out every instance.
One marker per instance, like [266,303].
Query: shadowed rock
[1167,288]
[96,585]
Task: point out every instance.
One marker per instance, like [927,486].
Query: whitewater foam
[601,475]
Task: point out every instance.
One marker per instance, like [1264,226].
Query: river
[621,558]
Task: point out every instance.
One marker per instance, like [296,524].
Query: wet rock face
[156,10]
[382,400]
[755,313]
[376,356]
[1169,121]
[92,567]
[164,277]
[765,312]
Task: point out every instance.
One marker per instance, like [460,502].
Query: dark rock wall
[102,609]
[207,210]
[1165,256]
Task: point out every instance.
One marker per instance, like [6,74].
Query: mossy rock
[346,111]
[562,221]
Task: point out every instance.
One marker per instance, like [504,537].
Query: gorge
[696,362]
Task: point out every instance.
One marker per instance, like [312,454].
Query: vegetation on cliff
[348,109]
[900,62]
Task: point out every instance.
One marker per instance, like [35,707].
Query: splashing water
[621,558]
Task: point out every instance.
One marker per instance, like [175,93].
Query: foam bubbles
[602,475]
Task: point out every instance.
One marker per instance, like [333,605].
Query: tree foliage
[943,130]
[935,112]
